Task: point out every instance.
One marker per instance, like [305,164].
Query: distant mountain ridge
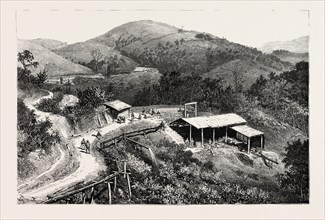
[148,43]
[293,58]
[159,45]
[49,43]
[298,45]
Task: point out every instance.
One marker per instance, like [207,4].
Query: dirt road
[89,164]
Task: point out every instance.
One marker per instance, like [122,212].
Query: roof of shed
[215,121]
[247,131]
[117,105]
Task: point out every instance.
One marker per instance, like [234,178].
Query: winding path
[89,164]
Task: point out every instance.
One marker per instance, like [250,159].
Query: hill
[293,58]
[81,53]
[49,43]
[169,49]
[298,45]
[55,65]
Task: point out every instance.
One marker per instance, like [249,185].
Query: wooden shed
[249,136]
[118,108]
[217,125]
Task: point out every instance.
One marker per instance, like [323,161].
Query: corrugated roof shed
[215,121]
[117,105]
[247,131]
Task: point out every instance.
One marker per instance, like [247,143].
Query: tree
[296,160]
[26,58]
[97,55]
[92,97]
[41,77]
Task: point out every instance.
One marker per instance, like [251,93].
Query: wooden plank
[54,199]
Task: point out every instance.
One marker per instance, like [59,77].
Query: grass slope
[49,43]
[80,52]
[54,64]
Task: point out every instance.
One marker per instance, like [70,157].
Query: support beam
[124,168]
[226,134]
[83,197]
[92,195]
[115,182]
[214,136]
[109,193]
[202,137]
[129,184]
[249,146]
[195,109]
[261,142]
[190,133]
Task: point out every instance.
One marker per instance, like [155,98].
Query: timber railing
[65,196]
[114,140]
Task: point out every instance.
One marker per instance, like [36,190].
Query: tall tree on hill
[97,56]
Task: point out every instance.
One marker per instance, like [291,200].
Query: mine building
[118,108]
[204,128]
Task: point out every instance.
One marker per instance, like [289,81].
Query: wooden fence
[118,138]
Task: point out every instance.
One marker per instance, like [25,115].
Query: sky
[250,28]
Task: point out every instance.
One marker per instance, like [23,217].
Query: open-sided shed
[248,134]
[210,122]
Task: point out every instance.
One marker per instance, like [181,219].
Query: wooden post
[92,195]
[109,193]
[195,109]
[124,168]
[115,182]
[83,197]
[214,136]
[249,145]
[226,134]
[124,136]
[202,136]
[261,142]
[190,133]
[129,185]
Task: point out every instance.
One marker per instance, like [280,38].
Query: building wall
[124,113]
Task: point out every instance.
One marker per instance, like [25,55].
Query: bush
[51,105]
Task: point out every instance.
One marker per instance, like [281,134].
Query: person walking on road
[83,144]
[87,147]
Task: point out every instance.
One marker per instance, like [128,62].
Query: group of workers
[151,111]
